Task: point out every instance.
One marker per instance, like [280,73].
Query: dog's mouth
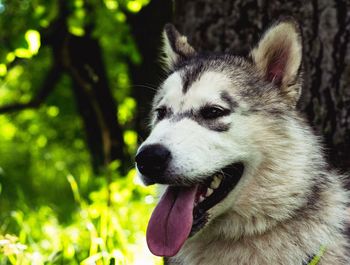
[213,191]
[183,210]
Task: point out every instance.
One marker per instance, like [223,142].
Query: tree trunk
[94,99]
[226,25]
[81,59]
[147,26]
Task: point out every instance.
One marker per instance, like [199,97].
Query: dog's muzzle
[183,209]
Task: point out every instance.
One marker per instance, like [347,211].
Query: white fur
[198,152]
[267,218]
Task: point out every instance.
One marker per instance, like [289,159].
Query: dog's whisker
[146,86]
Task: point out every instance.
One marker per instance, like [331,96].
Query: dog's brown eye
[213,112]
[161,113]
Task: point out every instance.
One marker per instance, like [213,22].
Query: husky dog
[246,179]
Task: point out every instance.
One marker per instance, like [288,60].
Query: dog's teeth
[216,182]
[201,198]
[220,176]
[209,192]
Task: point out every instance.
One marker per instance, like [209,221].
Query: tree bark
[94,99]
[225,25]
[81,59]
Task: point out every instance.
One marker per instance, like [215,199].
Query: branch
[50,81]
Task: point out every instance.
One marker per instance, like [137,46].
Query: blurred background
[76,82]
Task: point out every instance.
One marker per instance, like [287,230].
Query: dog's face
[213,120]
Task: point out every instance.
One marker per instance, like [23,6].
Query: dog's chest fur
[288,243]
[264,250]
[254,253]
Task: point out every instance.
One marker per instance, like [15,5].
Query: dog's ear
[175,47]
[278,57]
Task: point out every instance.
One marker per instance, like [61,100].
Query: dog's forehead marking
[210,87]
[225,96]
[191,74]
[207,88]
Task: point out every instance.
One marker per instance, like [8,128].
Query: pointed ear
[278,57]
[175,47]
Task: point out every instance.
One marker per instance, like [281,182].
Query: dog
[245,175]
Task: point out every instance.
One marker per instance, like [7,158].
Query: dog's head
[221,127]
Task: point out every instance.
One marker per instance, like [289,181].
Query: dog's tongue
[171,221]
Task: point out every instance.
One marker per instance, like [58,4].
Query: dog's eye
[160,113]
[213,112]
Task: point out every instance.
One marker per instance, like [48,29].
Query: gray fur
[288,202]
[225,95]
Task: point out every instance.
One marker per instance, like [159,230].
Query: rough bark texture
[234,26]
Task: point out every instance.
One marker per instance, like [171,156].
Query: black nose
[152,160]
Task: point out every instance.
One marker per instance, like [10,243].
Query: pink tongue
[171,221]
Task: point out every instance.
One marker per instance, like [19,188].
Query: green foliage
[54,209]
[107,225]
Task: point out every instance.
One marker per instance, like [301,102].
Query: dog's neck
[230,240]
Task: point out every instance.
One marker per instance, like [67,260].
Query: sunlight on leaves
[39,10]
[78,3]
[23,53]
[111,4]
[126,110]
[134,6]
[76,21]
[80,13]
[33,39]
[10,57]
[130,138]
[120,17]
[53,111]
[77,31]
[44,23]
[41,141]
[7,130]
[3,69]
